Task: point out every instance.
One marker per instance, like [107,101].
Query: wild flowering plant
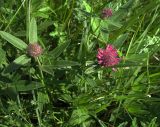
[108,57]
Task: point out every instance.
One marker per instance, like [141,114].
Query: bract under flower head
[108,57]
[34,49]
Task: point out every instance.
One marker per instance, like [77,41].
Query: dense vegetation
[49,72]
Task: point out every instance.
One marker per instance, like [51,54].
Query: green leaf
[122,11]
[101,108]
[112,22]
[25,85]
[101,123]
[128,5]
[33,31]
[21,86]
[17,63]
[18,43]
[119,42]
[124,124]
[41,14]
[2,57]
[42,100]
[57,51]
[78,116]
[44,25]
[87,6]
[135,108]
[95,23]
[153,122]
[62,64]
[134,123]
[9,91]
[137,57]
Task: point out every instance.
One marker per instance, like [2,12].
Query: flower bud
[107,12]
[34,49]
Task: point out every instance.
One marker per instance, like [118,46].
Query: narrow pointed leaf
[33,31]
[25,85]
[18,43]
[17,63]
[62,64]
[119,42]
[57,51]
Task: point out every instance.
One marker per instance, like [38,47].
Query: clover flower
[108,57]
[107,12]
[34,49]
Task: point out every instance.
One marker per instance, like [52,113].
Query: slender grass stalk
[148,76]
[42,80]
[118,109]
[37,109]
[21,109]
[69,15]
[14,16]
[41,73]
[135,34]
[147,29]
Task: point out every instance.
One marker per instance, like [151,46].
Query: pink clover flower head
[107,12]
[108,57]
[34,49]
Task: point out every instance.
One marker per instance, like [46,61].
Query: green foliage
[18,62]
[2,57]
[33,31]
[55,53]
[78,116]
[13,40]
[65,86]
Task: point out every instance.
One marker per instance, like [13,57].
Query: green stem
[42,80]
[41,73]
[148,76]
[37,111]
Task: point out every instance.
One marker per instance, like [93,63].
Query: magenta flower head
[34,49]
[107,12]
[108,57]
